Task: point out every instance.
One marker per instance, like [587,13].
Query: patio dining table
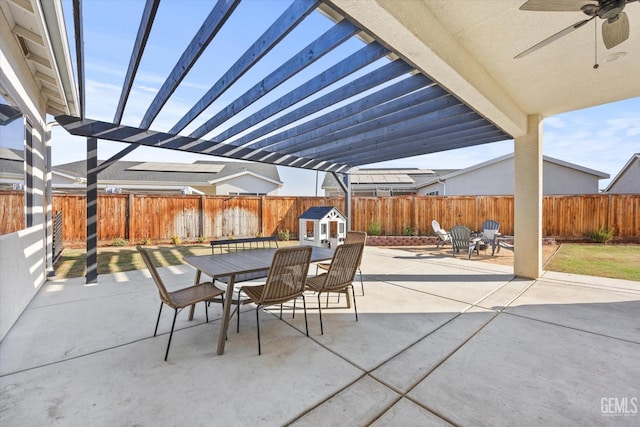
[235,263]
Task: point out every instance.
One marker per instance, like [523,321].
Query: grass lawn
[72,262]
[615,261]
[600,260]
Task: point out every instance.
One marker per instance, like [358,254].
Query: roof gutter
[56,33]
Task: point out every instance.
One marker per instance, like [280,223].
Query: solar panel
[177,167]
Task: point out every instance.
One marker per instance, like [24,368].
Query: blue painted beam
[398,110]
[377,77]
[487,137]
[79,37]
[386,94]
[399,121]
[216,19]
[437,124]
[121,133]
[424,143]
[349,65]
[314,51]
[270,38]
[146,22]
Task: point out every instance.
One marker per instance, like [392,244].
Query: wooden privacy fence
[138,217]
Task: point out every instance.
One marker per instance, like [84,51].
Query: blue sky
[601,138]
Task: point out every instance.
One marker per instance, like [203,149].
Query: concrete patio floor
[439,341]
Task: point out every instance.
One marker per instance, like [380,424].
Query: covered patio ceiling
[364,105]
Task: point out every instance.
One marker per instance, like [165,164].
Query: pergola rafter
[364,105]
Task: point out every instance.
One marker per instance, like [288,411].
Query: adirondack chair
[490,230]
[461,239]
[443,235]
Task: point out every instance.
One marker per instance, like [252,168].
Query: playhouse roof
[319,212]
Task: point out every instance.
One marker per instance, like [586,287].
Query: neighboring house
[383,182]
[11,169]
[496,177]
[201,177]
[627,181]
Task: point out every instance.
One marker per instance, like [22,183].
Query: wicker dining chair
[285,282]
[339,277]
[185,297]
[351,237]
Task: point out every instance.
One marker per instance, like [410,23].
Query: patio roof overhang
[368,106]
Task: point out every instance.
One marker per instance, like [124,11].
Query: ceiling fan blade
[556,5]
[614,33]
[553,38]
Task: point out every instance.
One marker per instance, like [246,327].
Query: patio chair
[443,235]
[351,237]
[461,239]
[185,297]
[339,277]
[285,282]
[490,229]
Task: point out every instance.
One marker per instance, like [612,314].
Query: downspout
[444,186]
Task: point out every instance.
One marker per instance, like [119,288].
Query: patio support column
[92,210]
[347,199]
[48,200]
[528,200]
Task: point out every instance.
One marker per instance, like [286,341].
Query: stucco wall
[629,181]
[23,260]
[497,179]
[560,179]
[23,272]
[246,184]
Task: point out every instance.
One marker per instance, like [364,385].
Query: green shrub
[146,241]
[601,235]
[409,230]
[175,239]
[283,234]
[120,242]
[201,239]
[375,229]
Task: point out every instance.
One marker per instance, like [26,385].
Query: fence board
[11,212]
[159,217]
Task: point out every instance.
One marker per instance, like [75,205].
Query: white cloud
[554,122]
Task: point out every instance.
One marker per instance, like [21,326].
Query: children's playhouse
[322,226]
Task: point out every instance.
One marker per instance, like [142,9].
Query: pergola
[439,75]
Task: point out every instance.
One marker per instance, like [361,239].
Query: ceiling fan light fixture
[614,56]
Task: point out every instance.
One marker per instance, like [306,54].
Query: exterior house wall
[558,179]
[495,179]
[246,184]
[629,181]
[435,189]
[24,253]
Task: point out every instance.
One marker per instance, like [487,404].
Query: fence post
[130,214]
[202,224]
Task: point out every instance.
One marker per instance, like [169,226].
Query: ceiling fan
[615,28]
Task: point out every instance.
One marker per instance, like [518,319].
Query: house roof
[598,174]
[384,178]
[319,212]
[11,163]
[39,35]
[634,158]
[200,173]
